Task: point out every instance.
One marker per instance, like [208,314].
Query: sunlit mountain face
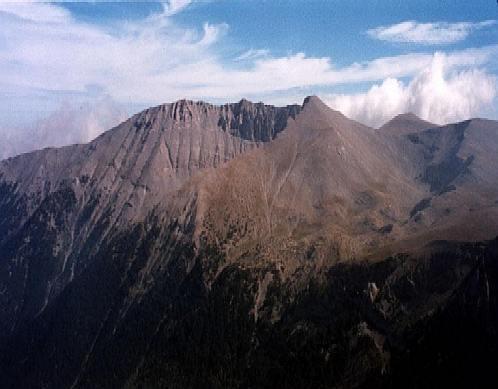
[246,245]
[342,234]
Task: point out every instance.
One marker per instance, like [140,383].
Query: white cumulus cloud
[439,93]
[154,60]
[49,58]
[427,33]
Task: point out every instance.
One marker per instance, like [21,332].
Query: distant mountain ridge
[121,258]
[406,123]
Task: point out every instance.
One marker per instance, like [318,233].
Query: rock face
[65,202]
[247,245]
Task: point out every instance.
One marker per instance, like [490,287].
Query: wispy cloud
[438,94]
[45,51]
[155,60]
[427,33]
[125,60]
[35,11]
[253,54]
[174,6]
[71,123]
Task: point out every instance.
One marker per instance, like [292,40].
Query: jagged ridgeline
[249,246]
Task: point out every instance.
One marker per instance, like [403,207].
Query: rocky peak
[312,100]
[408,116]
[182,110]
[255,121]
[246,104]
[187,110]
[318,115]
[405,123]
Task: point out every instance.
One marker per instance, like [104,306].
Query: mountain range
[251,246]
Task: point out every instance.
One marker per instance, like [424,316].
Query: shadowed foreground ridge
[251,246]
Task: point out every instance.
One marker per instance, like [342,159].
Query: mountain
[406,123]
[247,245]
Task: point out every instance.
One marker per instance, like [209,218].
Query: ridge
[405,123]
[256,122]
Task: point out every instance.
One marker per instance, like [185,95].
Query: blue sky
[69,70]
[318,28]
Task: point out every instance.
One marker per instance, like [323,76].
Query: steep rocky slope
[251,246]
[60,205]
